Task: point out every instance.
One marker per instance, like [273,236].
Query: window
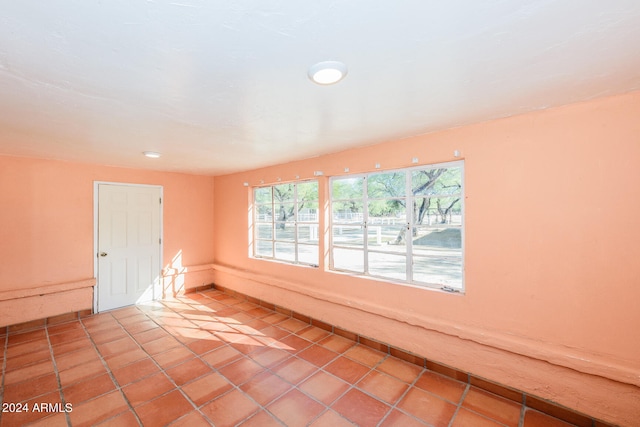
[286,222]
[403,225]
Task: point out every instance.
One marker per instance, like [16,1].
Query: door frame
[96,188]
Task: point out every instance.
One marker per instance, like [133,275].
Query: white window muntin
[276,240]
[409,199]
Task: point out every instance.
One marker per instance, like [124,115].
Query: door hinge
[160,240]
[160,200]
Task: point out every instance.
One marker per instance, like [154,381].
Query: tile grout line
[326,407]
[57,372]
[157,319]
[110,372]
[352,386]
[214,369]
[322,369]
[293,386]
[243,355]
[296,355]
[388,348]
[177,387]
[523,410]
[459,405]
[395,405]
[388,353]
[237,386]
[198,408]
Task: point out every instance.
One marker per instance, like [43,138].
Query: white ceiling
[221,86]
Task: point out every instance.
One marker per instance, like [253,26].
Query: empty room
[285,213]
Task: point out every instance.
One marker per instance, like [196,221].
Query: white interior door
[128,244]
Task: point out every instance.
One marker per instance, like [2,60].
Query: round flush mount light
[152,154]
[327,72]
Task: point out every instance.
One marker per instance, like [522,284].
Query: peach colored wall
[47,220]
[552,277]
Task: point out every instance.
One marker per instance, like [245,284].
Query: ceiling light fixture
[152,154]
[327,72]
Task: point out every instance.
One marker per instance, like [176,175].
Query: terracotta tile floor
[212,359]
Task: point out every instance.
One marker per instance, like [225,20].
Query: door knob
[103,254]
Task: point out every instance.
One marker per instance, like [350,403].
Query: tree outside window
[403,225]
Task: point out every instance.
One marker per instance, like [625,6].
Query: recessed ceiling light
[152,154]
[327,72]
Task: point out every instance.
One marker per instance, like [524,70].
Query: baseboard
[46,321]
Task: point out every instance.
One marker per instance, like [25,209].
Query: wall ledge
[20,306]
[178,280]
[47,289]
[173,271]
[593,364]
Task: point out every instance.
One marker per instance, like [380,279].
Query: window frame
[409,200]
[274,240]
